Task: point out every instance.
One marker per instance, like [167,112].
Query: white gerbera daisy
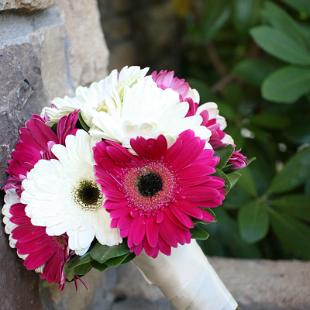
[147,111]
[10,199]
[63,196]
[99,96]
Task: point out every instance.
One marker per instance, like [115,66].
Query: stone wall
[45,51]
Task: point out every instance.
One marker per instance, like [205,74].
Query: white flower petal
[49,196]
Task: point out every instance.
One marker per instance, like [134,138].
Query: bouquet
[128,168]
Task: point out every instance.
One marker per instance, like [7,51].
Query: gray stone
[268,285]
[27,5]
[30,74]
[18,287]
[255,284]
[87,53]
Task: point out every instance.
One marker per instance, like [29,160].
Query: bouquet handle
[187,279]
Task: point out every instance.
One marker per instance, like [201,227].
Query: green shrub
[253,58]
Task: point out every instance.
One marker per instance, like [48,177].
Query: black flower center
[88,195]
[150,184]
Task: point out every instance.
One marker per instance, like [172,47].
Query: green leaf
[293,234]
[82,123]
[299,5]
[233,178]
[102,253]
[119,260]
[225,232]
[79,260]
[253,221]
[76,265]
[287,84]
[81,270]
[199,232]
[297,206]
[295,172]
[253,71]
[247,183]
[280,45]
[224,154]
[282,21]
[98,266]
[222,175]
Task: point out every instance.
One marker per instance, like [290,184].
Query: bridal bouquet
[130,166]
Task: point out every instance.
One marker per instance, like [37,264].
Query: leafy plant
[253,58]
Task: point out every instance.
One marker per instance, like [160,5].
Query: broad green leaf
[293,234]
[294,173]
[102,253]
[119,260]
[280,45]
[98,266]
[79,260]
[299,5]
[294,205]
[253,71]
[270,120]
[247,183]
[199,232]
[224,154]
[287,84]
[225,232]
[253,221]
[82,123]
[282,21]
[81,270]
[76,265]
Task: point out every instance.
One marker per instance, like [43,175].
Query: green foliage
[100,257]
[253,59]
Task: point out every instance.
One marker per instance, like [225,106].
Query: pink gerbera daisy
[38,250]
[154,195]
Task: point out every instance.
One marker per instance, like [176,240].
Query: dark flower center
[88,195]
[149,184]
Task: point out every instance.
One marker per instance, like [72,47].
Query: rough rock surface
[27,5]
[255,284]
[43,53]
[87,52]
[30,75]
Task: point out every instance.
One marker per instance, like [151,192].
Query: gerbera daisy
[39,251]
[99,96]
[154,195]
[47,255]
[148,111]
[209,111]
[35,141]
[62,195]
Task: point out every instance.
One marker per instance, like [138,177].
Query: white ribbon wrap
[187,279]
